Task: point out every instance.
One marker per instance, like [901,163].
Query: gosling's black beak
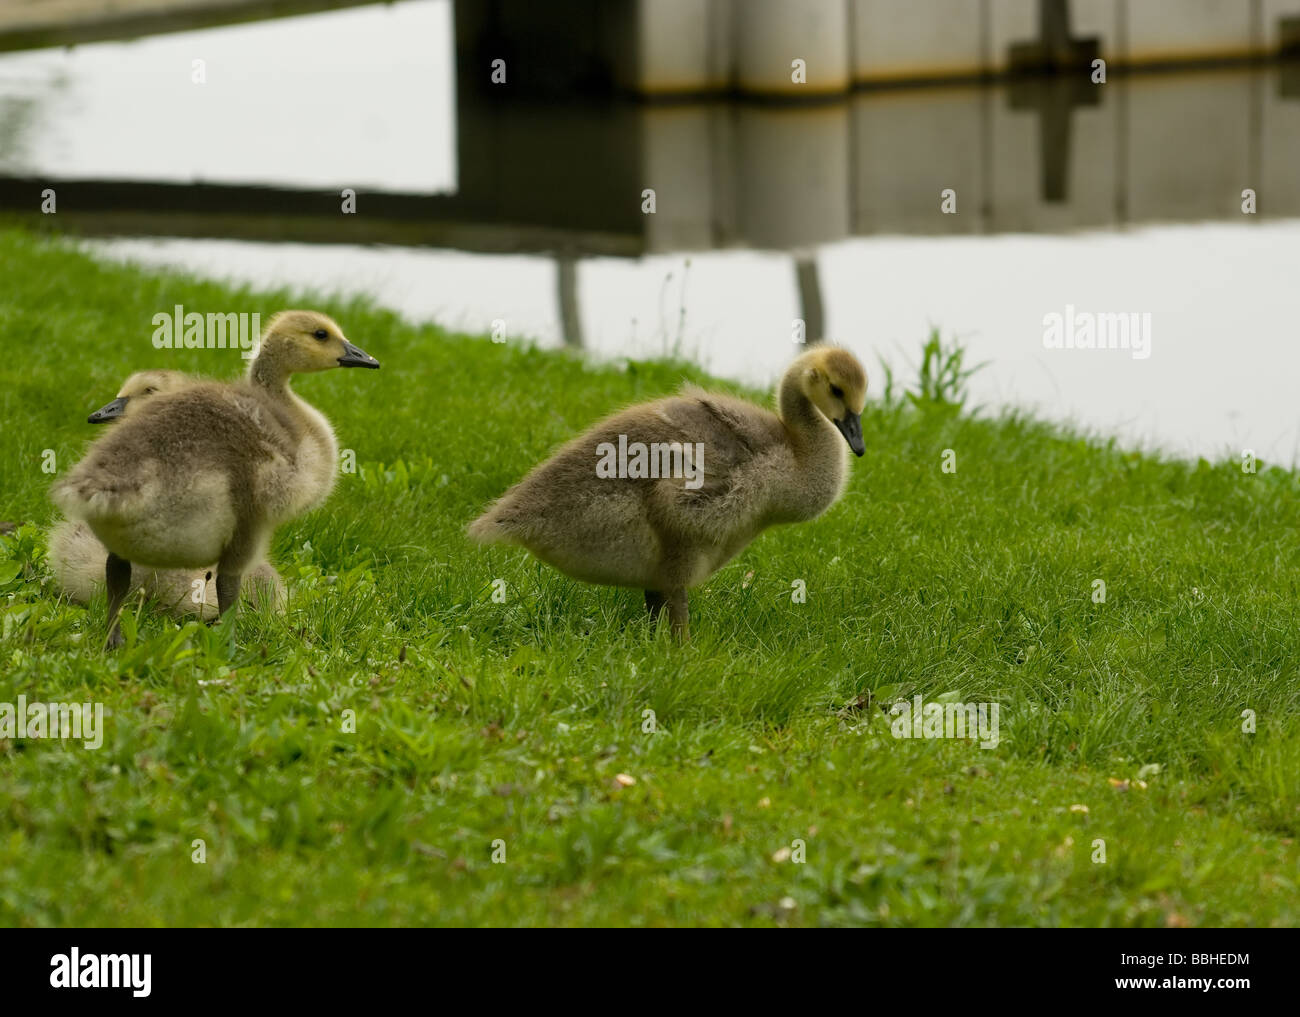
[111,411]
[851,428]
[355,356]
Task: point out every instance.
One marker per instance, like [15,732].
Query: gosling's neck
[819,453]
[268,372]
[810,431]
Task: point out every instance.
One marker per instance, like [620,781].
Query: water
[477,212]
[295,103]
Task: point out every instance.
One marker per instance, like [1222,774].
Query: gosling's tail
[76,557]
[84,495]
[495,526]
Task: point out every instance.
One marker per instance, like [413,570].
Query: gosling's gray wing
[745,456]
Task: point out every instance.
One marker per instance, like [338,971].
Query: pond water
[469,212]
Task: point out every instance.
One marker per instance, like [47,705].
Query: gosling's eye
[320,333]
[837,392]
[150,390]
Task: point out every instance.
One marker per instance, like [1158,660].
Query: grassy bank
[486,728]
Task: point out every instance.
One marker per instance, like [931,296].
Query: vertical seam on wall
[986,54]
[1121,31]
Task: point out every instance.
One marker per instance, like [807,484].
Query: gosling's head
[837,385]
[299,342]
[135,391]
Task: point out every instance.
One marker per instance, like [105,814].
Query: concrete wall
[771,34]
[848,42]
[666,47]
[683,47]
[901,39]
[1163,30]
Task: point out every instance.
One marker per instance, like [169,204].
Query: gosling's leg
[230,570]
[227,590]
[654,603]
[679,613]
[117,577]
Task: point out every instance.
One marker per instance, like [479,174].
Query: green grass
[481,722]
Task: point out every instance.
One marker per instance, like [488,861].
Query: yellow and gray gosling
[136,389]
[716,472]
[207,473]
[76,557]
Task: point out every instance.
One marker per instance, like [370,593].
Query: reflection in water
[17,118]
[1218,296]
[1053,101]
[569,308]
[343,115]
[25,101]
[491,207]
[494,172]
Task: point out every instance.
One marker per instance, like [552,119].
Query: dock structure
[1026,154]
[597,94]
[1049,158]
[765,48]
[36,24]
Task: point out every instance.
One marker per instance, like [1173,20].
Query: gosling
[76,556]
[139,387]
[718,472]
[206,474]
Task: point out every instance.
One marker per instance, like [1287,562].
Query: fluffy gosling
[716,472]
[76,557]
[205,474]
